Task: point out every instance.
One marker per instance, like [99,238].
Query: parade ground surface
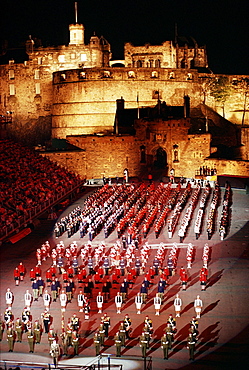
[223,340]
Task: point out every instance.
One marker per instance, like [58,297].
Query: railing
[36,211]
[94,364]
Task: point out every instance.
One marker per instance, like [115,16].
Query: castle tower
[76,31]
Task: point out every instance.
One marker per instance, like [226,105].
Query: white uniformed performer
[100,301]
[46,299]
[157,303]
[178,305]
[63,300]
[138,302]
[81,301]
[9,298]
[118,302]
[27,299]
[198,304]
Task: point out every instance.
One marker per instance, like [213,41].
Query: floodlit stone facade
[70,91]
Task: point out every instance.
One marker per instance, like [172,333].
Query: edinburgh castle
[161,107]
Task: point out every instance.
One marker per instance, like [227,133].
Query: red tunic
[16,273]
[21,269]
[37,270]
[53,270]
[32,274]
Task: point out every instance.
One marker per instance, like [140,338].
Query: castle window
[171,75]
[183,63]
[189,76]
[158,63]
[139,63]
[37,88]
[12,89]
[37,74]
[142,154]
[176,156]
[154,74]
[82,75]
[11,74]
[106,74]
[61,58]
[131,74]
[73,56]
[151,63]
[62,76]
[83,57]
[11,61]
[192,63]
[156,94]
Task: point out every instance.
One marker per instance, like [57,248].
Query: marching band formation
[90,273]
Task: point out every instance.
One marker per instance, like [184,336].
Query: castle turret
[76,31]
[76,34]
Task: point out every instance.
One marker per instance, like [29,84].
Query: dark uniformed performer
[127,326]
[143,344]
[96,341]
[37,331]
[19,329]
[170,335]
[122,333]
[191,346]
[172,321]
[101,334]
[106,321]
[63,336]
[69,333]
[75,342]
[46,320]
[165,346]
[10,339]
[118,344]
[75,322]
[31,340]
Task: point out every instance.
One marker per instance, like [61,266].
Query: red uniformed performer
[32,275]
[65,278]
[70,271]
[22,270]
[183,278]
[17,275]
[49,277]
[53,270]
[37,271]
[101,271]
[203,279]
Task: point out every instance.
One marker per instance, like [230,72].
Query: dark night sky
[221,25]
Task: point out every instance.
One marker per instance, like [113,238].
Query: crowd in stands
[27,180]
